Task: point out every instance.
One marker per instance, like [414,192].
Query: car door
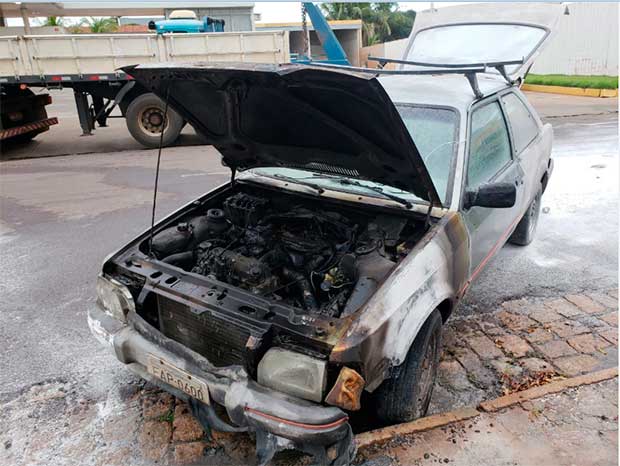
[531,141]
[490,159]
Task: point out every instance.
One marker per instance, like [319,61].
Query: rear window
[476,43]
[434,132]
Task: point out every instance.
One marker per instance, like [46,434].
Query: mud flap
[268,444]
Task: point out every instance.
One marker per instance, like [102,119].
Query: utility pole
[25,19]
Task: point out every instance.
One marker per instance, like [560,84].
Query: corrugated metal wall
[586,42]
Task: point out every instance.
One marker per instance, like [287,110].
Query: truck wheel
[407,394]
[526,229]
[145,120]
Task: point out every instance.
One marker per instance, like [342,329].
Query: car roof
[448,90]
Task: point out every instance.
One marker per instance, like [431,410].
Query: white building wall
[586,42]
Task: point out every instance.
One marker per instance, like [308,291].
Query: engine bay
[322,258]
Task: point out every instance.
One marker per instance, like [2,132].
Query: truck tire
[406,395]
[526,229]
[144,117]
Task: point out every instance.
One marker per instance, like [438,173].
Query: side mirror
[496,195]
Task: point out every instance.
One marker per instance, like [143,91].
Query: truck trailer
[90,65]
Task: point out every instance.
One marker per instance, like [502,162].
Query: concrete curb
[576,91]
[384,435]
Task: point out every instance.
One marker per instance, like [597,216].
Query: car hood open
[297,116]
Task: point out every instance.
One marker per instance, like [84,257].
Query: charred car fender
[386,326]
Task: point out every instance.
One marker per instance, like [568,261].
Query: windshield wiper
[291,179]
[376,189]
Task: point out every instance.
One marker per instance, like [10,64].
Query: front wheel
[145,121]
[526,229]
[407,394]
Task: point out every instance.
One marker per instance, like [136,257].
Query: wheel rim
[152,120]
[428,368]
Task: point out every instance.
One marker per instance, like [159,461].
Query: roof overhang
[108,8]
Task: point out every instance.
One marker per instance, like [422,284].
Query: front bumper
[247,403]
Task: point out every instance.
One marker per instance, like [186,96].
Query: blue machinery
[333,50]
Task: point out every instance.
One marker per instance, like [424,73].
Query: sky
[279,12]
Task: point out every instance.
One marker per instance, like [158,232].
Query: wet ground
[60,216]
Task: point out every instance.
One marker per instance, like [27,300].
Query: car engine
[321,261]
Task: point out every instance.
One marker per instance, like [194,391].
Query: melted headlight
[114,298]
[293,373]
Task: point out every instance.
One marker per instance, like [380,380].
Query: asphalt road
[60,216]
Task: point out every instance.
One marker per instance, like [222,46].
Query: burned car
[360,209]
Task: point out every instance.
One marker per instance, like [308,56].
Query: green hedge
[586,82]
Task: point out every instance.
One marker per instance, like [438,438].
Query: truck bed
[76,57]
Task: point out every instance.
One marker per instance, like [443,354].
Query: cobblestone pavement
[576,427]
[524,343]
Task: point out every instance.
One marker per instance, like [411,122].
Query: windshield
[434,132]
[476,43]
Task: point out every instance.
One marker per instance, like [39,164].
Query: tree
[52,21]
[100,25]
[380,21]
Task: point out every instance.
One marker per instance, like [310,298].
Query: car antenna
[161,143]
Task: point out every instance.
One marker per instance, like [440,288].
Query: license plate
[178,378]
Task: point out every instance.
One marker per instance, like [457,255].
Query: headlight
[293,373]
[114,298]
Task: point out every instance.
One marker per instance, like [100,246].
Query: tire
[407,394]
[526,229]
[144,118]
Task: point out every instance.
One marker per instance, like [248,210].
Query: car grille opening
[221,341]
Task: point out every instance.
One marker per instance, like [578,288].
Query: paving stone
[555,349]
[153,439]
[567,328]
[545,315]
[591,321]
[452,375]
[613,293]
[535,365]
[575,365]
[588,343]
[514,346]
[485,347]
[507,366]
[611,318]
[156,405]
[585,304]
[610,335]
[492,329]
[185,426]
[608,301]
[515,321]
[477,372]
[563,307]
[516,305]
[538,335]
[189,453]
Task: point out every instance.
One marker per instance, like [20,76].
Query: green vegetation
[585,82]
[52,21]
[100,25]
[381,22]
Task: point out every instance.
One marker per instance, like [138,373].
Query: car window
[522,122]
[434,132]
[489,148]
